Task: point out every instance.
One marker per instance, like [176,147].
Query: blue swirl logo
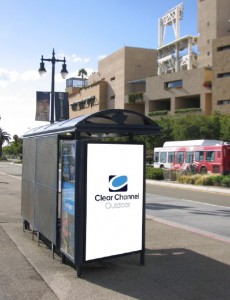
[118,183]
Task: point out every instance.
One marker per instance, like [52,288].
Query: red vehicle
[198,156]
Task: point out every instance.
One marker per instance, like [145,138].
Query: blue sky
[82,31]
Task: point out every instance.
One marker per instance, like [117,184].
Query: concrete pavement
[179,264]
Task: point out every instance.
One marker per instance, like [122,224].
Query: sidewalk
[178,264]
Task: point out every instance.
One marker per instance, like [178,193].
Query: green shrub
[225,181]
[207,180]
[3,158]
[154,173]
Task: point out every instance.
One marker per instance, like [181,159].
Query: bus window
[180,157]
[210,156]
[163,157]
[189,157]
[171,157]
[156,156]
[199,155]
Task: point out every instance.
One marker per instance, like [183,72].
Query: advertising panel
[42,106]
[114,199]
[68,198]
[61,106]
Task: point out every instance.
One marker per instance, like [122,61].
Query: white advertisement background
[113,231]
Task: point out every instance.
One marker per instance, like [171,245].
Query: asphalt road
[209,219]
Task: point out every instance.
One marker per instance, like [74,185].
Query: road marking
[215,205]
[10,175]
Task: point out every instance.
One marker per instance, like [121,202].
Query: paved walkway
[179,264]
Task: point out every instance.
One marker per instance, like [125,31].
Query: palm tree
[4,137]
[82,73]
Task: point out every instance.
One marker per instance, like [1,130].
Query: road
[204,212]
[208,219]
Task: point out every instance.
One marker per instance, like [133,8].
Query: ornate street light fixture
[64,73]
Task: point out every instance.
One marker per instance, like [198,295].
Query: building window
[223,48]
[112,97]
[173,84]
[223,102]
[112,78]
[222,75]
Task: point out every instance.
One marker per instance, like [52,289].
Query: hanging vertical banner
[61,106]
[42,106]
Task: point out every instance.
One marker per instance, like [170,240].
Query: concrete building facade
[189,75]
[221,75]
[119,74]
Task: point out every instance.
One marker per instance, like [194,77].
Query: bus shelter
[83,185]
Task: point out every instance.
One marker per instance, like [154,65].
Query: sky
[81,31]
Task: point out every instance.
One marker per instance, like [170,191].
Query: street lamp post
[64,73]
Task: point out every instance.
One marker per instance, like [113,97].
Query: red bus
[197,156]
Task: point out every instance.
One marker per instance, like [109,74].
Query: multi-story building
[191,74]
[192,87]
[119,82]
[221,75]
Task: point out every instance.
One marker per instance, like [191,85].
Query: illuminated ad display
[114,199]
[68,198]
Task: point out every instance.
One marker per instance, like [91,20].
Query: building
[221,75]
[119,82]
[189,75]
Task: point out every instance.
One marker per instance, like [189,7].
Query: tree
[15,147]
[225,128]
[82,73]
[4,137]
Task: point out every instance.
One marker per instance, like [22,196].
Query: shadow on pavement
[167,274]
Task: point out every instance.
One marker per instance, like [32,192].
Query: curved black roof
[111,121]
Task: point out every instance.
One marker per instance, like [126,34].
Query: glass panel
[199,155]
[163,157]
[189,157]
[171,157]
[68,198]
[156,156]
[210,156]
[180,157]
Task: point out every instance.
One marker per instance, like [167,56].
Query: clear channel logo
[118,183]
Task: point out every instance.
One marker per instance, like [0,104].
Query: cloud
[29,75]
[8,77]
[73,58]
[101,56]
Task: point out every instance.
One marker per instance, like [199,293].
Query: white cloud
[73,58]
[101,56]
[29,75]
[8,77]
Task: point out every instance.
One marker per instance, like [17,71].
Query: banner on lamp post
[42,106]
[61,106]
